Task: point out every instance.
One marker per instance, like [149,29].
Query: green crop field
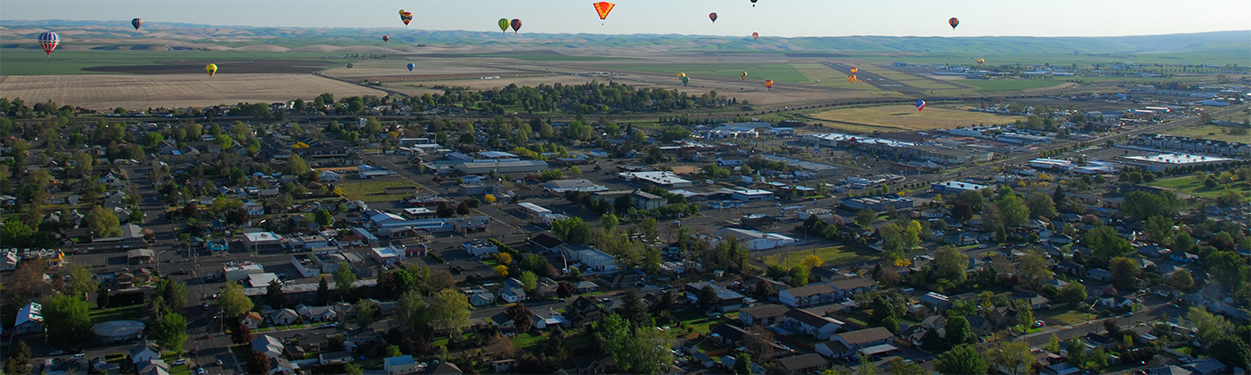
[23,61]
[1009,85]
[759,72]
[1213,132]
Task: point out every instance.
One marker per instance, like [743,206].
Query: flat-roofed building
[257,241]
[498,166]
[241,271]
[1160,162]
[664,179]
[751,195]
[957,187]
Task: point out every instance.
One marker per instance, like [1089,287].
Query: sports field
[906,117]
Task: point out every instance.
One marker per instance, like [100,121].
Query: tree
[173,293]
[811,261]
[1181,280]
[743,364]
[529,281]
[1208,327]
[232,301]
[1231,351]
[501,271]
[323,218]
[637,351]
[707,298]
[1159,229]
[344,278]
[759,342]
[962,359]
[951,264]
[633,309]
[19,359]
[449,310]
[1106,244]
[898,366]
[501,347]
[258,363]
[565,289]
[1124,273]
[170,331]
[961,212]
[323,291]
[412,309]
[865,218]
[958,331]
[1142,205]
[1074,292]
[81,282]
[1011,355]
[240,334]
[103,222]
[1012,209]
[102,296]
[66,319]
[1076,350]
[1053,344]
[523,318]
[608,222]
[366,312]
[296,166]
[1033,268]
[1024,316]
[572,229]
[866,366]
[1041,205]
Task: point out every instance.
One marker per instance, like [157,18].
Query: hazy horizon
[803,18]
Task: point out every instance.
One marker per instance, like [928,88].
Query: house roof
[866,335]
[729,332]
[801,362]
[811,319]
[399,361]
[764,311]
[810,290]
[546,241]
[849,284]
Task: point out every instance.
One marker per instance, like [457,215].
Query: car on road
[57,352]
[79,356]
[1129,314]
[1038,323]
[206,306]
[183,272]
[219,362]
[200,371]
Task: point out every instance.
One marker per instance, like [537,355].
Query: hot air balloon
[920,104]
[755,36]
[516,25]
[406,16]
[603,8]
[385,38]
[852,79]
[953,22]
[981,61]
[712,16]
[411,66]
[211,69]
[503,25]
[753,3]
[48,41]
[855,70]
[743,76]
[768,84]
[684,78]
[136,23]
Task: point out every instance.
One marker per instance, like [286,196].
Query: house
[703,359]
[937,301]
[317,313]
[29,319]
[144,352]
[1165,290]
[503,366]
[846,288]
[281,366]
[546,287]
[442,368]
[283,317]
[252,320]
[765,315]
[1113,299]
[1168,370]
[834,349]
[152,367]
[481,297]
[399,365]
[583,287]
[1206,366]
[583,311]
[806,322]
[1099,274]
[335,358]
[728,335]
[272,347]
[1100,341]
[806,296]
[802,364]
[513,295]
[588,364]
[1153,251]
[620,280]
[730,301]
[979,325]
[868,337]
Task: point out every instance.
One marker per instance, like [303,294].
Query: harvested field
[906,117]
[237,67]
[103,92]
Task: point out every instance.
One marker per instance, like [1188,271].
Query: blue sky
[787,18]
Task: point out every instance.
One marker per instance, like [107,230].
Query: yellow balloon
[211,69]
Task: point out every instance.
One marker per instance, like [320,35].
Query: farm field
[1009,85]
[104,92]
[906,117]
[758,72]
[1213,132]
[14,61]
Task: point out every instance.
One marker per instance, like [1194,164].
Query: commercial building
[877,203]
[957,187]
[664,179]
[1022,139]
[118,330]
[646,201]
[257,241]
[565,186]
[241,271]
[1160,162]
[329,260]
[500,166]
[756,240]
[1051,164]
[751,195]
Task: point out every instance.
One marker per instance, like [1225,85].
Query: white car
[180,362]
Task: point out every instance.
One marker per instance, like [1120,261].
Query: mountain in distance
[119,32]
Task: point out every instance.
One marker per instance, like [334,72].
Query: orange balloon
[769,83]
[603,8]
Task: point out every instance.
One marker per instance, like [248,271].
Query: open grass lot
[373,191]
[828,255]
[1194,186]
[758,72]
[830,77]
[15,61]
[1009,85]
[909,79]
[906,117]
[1066,316]
[117,313]
[1213,132]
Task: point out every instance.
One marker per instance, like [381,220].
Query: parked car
[179,362]
[57,352]
[200,371]
[79,356]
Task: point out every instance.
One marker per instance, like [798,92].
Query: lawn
[374,191]
[908,118]
[755,72]
[828,255]
[694,319]
[526,340]
[1213,132]
[117,313]
[1067,316]
[1009,85]
[1193,186]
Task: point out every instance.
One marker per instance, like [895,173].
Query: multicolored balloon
[743,76]
[136,23]
[768,83]
[755,36]
[852,79]
[48,41]
[685,80]
[603,8]
[712,16]
[211,69]
[386,38]
[516,24]
[981,61]
[920,104]
[406,16]
[504,25]
[411,66]
[855,70]
[953,22]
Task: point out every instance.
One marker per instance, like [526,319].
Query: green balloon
[503,24]
[685,80]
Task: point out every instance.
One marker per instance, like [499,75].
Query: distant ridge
[115,32]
